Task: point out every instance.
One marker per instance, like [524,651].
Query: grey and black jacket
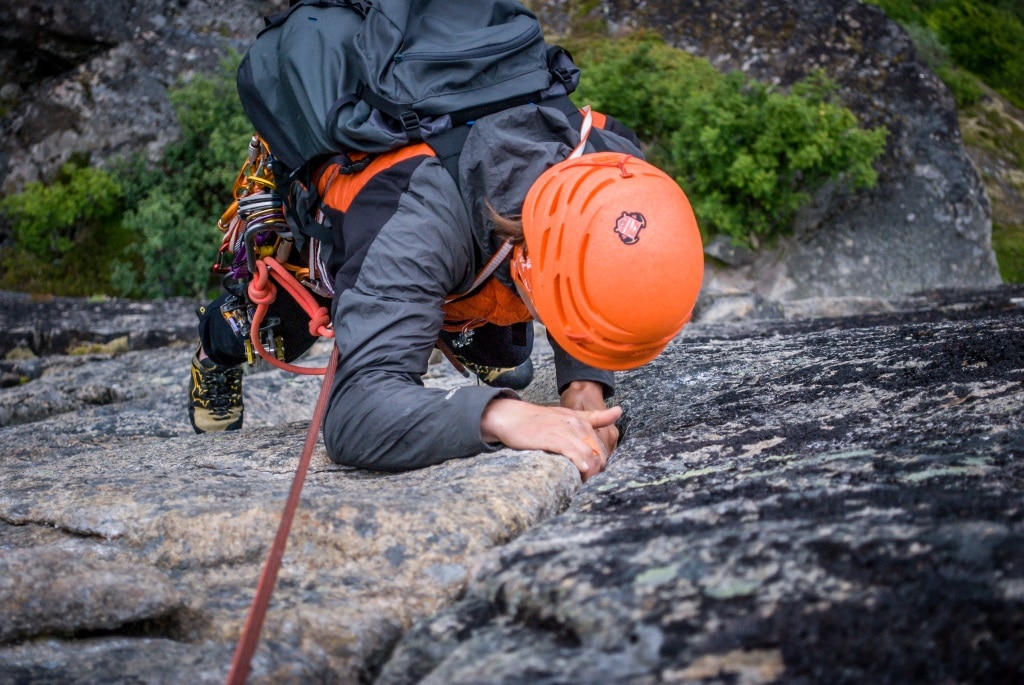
[408,239]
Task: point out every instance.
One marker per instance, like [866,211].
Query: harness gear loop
[450,356]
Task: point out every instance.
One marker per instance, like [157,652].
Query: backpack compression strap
[448,145]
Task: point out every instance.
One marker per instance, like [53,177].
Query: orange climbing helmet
[613,260]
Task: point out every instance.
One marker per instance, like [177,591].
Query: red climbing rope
[263,292]
[250,637]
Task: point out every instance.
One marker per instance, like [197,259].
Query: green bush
[215,138]
[65,235]
[174,246]
[48,221]
[747,156]
[984,37]
[760,154]
[176,206]
[986,41]
[645,83]
[150,234]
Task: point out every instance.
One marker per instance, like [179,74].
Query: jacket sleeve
[386,320]
[569,369]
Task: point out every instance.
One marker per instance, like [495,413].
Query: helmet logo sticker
[629,225]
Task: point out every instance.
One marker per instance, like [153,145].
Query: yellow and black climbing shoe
[215,397]
[514,378]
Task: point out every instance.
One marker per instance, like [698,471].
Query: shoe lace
[220,390]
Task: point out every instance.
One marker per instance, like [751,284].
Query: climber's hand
[589,396]
[559,430]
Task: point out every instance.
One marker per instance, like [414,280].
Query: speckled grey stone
[816,501]
[130,547]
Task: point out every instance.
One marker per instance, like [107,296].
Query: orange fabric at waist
[492,303]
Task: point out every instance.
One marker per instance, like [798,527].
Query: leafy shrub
[175,246]
[984,37]
[215,137]
[985,40]
[748,157]
[759,153]
[152,235]
[645,83]
[176,207]
[48,221]
[64,235]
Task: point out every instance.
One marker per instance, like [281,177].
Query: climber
[587,238]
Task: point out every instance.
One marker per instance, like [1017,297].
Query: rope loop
[262,292]
[585,128]
[318,325]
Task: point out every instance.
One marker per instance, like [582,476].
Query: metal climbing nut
[464,340]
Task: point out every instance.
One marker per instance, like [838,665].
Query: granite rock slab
[130,547]
[815,501]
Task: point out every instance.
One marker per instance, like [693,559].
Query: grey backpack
[333,77]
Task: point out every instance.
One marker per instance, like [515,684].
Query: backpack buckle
[410,120]
[563,75]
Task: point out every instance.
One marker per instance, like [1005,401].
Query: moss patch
[993,131]
[1008,243]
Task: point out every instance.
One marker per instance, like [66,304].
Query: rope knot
[261,289]
[319,322]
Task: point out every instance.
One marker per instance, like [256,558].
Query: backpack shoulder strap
[485,273]
[448,148]
[448,145]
